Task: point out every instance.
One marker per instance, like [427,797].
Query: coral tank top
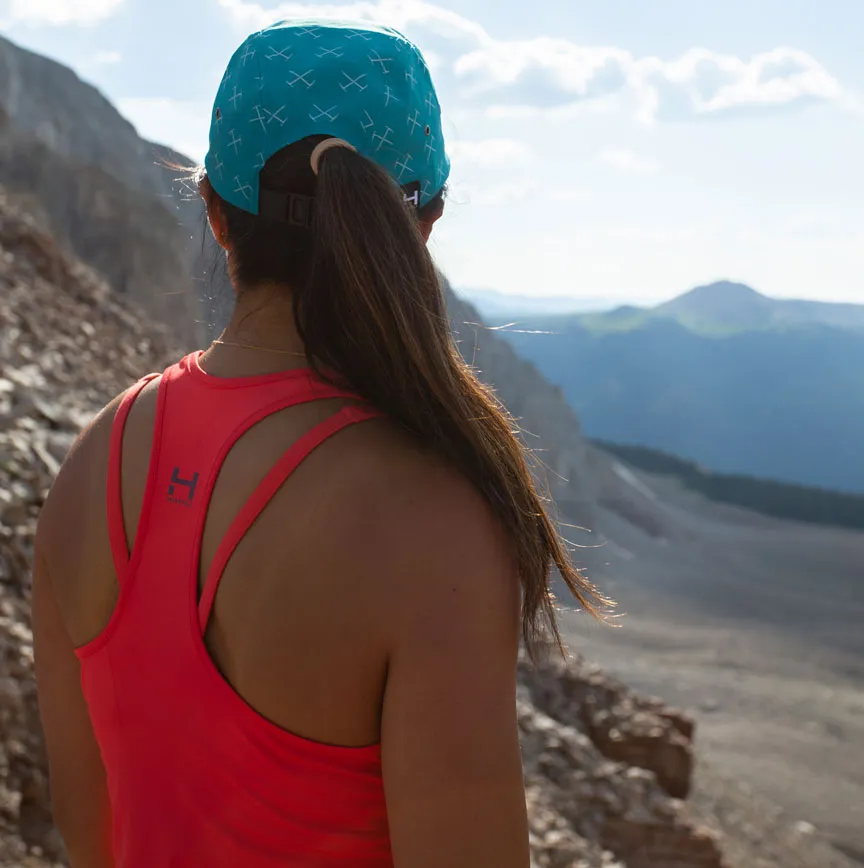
[196,776]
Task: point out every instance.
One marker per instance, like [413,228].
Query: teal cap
[364,83]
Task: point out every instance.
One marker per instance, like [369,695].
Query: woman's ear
[428,221]
[217,225]
[215,216]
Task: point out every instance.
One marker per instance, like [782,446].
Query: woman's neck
[260,338]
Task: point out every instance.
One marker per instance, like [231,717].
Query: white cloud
[183,123]
[57,13]
[489,152]
[106,58]
[711,83]
[626,160]
[542,70]
[548,72]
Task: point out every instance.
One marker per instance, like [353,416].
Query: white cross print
[218,165]
[383,140]
[235,142]
[236,97]
[354,82]
[383,61]
[409,76]
[310,31]
[351,34]
[261,161]
[415,121]
[274,53]
[250,52]
[403,166]
[274,116]
[245,189]
[323,113]
[371,123]
[430,149]
[299,77]
[430,104]
[259,118]
[389,95]
[331,52]
[440,172]
[426,191]
[218,120]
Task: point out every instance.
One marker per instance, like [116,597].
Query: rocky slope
[102,191]
[65,342]
[604,768]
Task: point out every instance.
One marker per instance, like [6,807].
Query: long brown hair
[370,307]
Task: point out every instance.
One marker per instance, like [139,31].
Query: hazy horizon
[597,152]
[600,301]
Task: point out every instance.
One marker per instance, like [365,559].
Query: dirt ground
[756,627]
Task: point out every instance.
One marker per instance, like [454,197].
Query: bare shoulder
[425,537]
[79,488]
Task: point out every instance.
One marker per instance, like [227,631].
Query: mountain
[729,308]
[722,376]
[100,190]
[74,120]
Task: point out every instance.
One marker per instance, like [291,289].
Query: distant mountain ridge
[726,307]
[723,376]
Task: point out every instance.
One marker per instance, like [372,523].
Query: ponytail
[369,307]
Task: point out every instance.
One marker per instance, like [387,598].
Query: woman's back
[272,722]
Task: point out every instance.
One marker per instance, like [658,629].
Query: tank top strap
[265,492]
[114,498]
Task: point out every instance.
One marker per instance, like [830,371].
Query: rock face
[625,727]
[600,763]
[100,190]
[47,101]
[539,408]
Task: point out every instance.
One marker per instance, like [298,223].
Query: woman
[241,668]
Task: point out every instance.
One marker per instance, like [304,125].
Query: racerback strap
[114,499]
[265,492]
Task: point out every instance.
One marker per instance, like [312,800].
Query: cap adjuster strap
[294,209]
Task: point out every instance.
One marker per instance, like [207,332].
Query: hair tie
[321,147]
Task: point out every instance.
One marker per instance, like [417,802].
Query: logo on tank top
[182,491]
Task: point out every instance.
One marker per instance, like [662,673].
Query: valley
[753,626]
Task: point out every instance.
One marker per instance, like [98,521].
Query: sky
[614,149]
